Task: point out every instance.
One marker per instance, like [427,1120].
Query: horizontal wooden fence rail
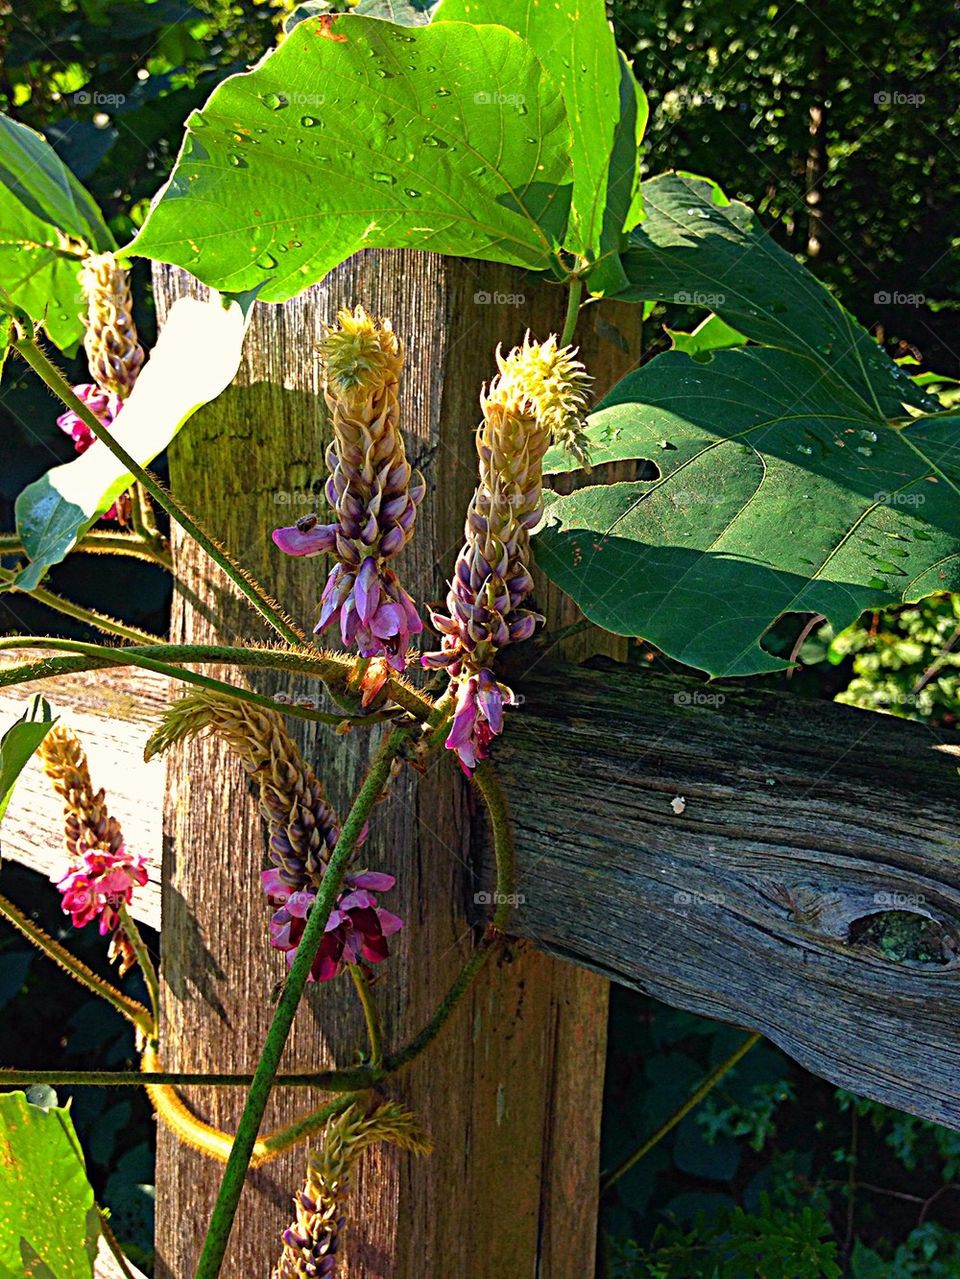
[790,866]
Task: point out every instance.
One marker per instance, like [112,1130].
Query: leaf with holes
[607,110]
[697,248]
[779,491]
[48,222]
[358,133]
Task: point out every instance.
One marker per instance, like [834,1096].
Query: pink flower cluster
[100,885]
[104,405]
[357,929]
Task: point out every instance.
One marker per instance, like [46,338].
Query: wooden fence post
[512,1092]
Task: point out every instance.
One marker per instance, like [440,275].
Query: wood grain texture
[512,1093]
[801,821]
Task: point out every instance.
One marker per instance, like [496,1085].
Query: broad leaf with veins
[779,491]
[359,133]
[607,110]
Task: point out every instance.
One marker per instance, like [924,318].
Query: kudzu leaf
[359,133]
[696,248]
[19,743]
[48,223]
[606,108]
[779,491]
[196,357]
[49,1224]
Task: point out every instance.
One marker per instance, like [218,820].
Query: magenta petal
[462,728]
[317,540]
[389,924]
[490,700]
[374,880]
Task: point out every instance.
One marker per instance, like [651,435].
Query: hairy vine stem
[101,542]
[574,295]
[129,1008]
[228,1199]
[332,669]
[27,347]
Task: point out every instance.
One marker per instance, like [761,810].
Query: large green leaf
[366,134]
[779,491]
[49,1224]
[196,357]
[698,249]
[48,222]
[18,744]
[606,108]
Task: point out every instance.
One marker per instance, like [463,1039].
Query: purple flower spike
[478,718]
[372,489]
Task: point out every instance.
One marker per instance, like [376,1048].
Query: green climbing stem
[128,923]
[574,295]
[269,609]
[129,1008]
[231,1187]
[324,1080]
[332,669]
[98,542]
[695,1098]
[371,1015]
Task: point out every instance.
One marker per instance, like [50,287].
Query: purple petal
[366,591]
[315,541]
[374,880]
[387,621]
[389,924]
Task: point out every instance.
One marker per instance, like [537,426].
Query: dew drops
[412,192]
[237,161]
[267,261]
[387,179]
[431,140]
[521,108]
[443,93]
[805,449]
[309,121]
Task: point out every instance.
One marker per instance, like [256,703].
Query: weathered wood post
[512,1093]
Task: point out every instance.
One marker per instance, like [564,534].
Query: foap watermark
[94,98]
[484,298]
[712,300]
[699,698]
[306,99]
[485,99]
[899,499]
[899,901]
[684,898]
[294,497]
[883,298]
[499,899]
[896,98]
